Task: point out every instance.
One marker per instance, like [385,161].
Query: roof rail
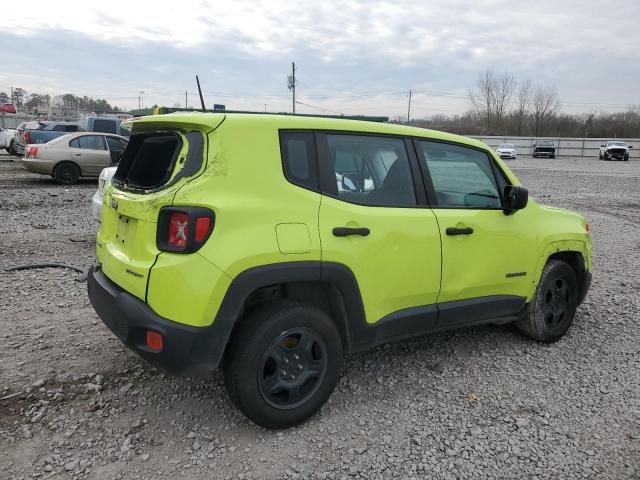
[367,118]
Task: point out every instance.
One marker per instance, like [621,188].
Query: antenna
[200,92]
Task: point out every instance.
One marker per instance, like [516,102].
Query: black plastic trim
[187,350]
[200,350]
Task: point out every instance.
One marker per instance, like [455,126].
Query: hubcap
[292,368]
[557,304]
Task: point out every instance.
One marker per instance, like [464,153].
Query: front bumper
[192,351]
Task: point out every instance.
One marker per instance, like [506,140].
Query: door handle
[459,231]
[77,154]
[346,231]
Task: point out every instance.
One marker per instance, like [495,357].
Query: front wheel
[554,305]
[282,364]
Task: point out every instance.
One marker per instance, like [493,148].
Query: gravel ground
[475,403]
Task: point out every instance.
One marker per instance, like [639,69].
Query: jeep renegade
[271,245]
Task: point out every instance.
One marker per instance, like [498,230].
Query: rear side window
[88,142]
[298,151]
[104,126]
[371,170]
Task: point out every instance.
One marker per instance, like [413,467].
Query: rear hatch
[164,153]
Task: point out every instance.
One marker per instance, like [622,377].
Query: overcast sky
[351,56]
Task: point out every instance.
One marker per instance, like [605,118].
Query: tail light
[33,151]
[27,137]
[183,229]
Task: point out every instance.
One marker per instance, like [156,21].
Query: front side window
[88,142]
[462,177]
[371,170]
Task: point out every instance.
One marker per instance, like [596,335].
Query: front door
[372,221]
[488,257]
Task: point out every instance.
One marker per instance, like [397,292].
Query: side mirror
[630,146]
[602,146]
[515,198]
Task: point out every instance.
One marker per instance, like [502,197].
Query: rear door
[487,256]
[374,220]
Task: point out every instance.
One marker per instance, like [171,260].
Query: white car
[7,136]
[96,202]
[507,150]
[614,150]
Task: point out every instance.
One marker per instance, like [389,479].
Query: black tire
[605,156]
[267,350]
[66,173]
[599,155]
[553,307]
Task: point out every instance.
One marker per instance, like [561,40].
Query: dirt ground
[476,403]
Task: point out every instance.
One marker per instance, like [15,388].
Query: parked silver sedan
[75,155]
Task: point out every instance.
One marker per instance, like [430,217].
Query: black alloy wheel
[554,304]
[282,363]
[292,368]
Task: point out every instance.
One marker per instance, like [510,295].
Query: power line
[319,108]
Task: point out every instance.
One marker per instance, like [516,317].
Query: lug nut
[292,376]
[300,366]
[285,360]
[296,356]
[283,373]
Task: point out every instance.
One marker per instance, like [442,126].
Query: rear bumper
[187,350]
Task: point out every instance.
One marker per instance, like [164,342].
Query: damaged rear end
[143,234]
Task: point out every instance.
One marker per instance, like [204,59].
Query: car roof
[285,121]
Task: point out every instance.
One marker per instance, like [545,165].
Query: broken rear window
[155,160]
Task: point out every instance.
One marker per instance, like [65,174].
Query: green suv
[271,245]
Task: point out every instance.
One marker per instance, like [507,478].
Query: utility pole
[409,109]
[291,83]
[186,99]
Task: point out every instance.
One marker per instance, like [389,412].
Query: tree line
[505,106]
[30,102]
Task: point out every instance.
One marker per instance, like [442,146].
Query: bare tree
[482,98]
[523,105]
[492,96]
[544,105]
[505,87]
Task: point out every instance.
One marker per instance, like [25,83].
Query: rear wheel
[66,173]
[283,364]
[554,305]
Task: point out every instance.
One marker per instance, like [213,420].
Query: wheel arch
[572,252]
[331,287]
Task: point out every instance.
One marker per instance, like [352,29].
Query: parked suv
[544,148]
[272,245]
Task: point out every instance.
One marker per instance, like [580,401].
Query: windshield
[616,144]
[545,144]
[506,145]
